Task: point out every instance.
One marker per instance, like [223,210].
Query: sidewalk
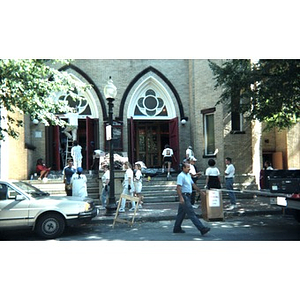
[152,212]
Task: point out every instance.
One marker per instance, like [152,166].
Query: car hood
[65,198]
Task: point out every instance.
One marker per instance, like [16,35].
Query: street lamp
[110,92]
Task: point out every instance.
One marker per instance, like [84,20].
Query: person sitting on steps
[41,169]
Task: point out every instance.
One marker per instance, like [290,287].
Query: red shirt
[40,168]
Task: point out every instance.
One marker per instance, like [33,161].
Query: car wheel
[50,225]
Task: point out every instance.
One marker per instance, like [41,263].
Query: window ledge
[237,132]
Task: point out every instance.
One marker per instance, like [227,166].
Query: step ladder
[127,198]
[69,146]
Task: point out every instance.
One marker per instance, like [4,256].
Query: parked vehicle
[284,185]
[24,206]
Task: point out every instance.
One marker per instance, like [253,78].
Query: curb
[140,218]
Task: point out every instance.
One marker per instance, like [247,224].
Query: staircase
[55,186]
[157,189]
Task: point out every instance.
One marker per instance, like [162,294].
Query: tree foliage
[30,86]
[269,90]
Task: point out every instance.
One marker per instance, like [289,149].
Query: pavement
[151,212]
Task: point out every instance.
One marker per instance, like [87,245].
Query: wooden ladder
[127,198]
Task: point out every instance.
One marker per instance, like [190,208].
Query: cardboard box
[212,205]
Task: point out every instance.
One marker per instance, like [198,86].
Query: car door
[13,207]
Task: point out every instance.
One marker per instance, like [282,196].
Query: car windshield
[29,189]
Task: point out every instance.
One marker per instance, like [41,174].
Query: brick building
[158,102]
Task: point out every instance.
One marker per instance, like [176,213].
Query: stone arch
[164,79]
[151,99]
[92,83]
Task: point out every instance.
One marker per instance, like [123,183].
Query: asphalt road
[245,228]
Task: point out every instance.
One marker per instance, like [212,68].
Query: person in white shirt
[138,182]
[78,183]
[195,176]
[72,125]
[212,175]
[76,155]
[229,175]
[167,158]
[189,152]
[268,165]
[105,184]
[128,187]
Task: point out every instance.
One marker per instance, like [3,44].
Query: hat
[79,170]
[190,147]
[193,158]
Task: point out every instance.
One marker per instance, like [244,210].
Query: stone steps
[158,189]
[57,187]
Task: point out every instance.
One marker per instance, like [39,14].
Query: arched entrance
[152,124]
[87,133]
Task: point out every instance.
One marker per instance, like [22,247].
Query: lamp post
[110,92]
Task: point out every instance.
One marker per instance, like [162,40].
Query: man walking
[184,191]
[229,175]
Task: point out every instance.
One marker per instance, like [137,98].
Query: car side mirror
[15,195]
[20,197]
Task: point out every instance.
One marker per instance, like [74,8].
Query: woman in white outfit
[137,180]
[78,183]
[128,186]
[76,154]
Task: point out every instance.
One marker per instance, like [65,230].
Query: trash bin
[212,205]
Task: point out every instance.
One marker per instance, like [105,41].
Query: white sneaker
[121,210]
[132,209]
[140,206]
[231,207]
[195,206]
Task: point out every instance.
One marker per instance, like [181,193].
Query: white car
[24,206]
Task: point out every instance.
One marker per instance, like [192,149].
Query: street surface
[97,259]
[245,228]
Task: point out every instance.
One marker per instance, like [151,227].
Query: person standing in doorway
[105,185]
[229,176]
[79,184]
[128,187]
[167,159]
[184,191]
[68,172]
[76,154]
[268,165]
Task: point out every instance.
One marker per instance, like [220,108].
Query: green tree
[29,86]
[268,89]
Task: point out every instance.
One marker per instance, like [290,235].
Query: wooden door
[174,141]
[90,142]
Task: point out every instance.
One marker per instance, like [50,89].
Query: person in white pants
[76,155]
[138,183]
[128,187]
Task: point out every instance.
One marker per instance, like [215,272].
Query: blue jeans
[104,195]
[187,209]
[229,186]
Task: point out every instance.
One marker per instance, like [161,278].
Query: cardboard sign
[214,198]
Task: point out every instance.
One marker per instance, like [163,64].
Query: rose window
[150,105]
